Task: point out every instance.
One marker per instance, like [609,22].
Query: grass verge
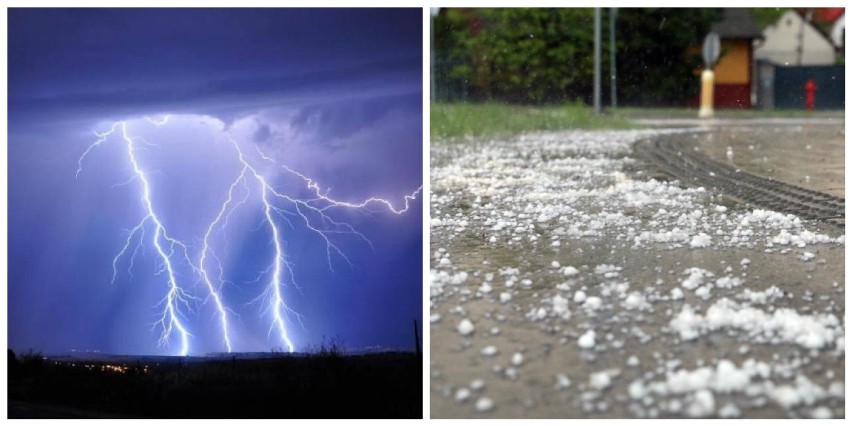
[452,120]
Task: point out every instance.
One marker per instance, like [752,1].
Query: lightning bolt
[312,212]
[170,319]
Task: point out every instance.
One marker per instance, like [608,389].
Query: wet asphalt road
[545,191]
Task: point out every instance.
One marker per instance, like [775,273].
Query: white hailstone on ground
[729,378]
[695,279]
[807,256]
[675,406]
[495,331]
[633,361]
[604,268]
[587,340]
[762,297]
[492,240]
[635,300]
[579,296]
[703,404]
[570,271]
[554,264]
[517,359]
[489,351]
[462,395]
[592,303]
[783,324]
[785,396]
[821,413]
[562,381]
[560,306]
[445,262]
[477,384]
[729,411]
[511,373]
[728,282]
[729,153]
[459,278]
[484,404]
[600,380]
[484,288]
[465,327]
[677,294]
[505,297]
[434,318]
[837,389]
[637,389]
[687,323]
[745,261]
[701,240]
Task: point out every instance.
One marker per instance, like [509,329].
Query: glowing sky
[332,94]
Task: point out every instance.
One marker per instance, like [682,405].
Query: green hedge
[539,56]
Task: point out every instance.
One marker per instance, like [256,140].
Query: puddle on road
[810,156]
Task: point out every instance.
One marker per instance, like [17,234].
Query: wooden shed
[734,77]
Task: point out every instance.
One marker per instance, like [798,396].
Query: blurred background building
[545,56]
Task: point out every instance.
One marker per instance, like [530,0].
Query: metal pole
[612,97]
[432,63]
[597,100]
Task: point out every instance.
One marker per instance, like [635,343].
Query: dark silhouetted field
[325,385]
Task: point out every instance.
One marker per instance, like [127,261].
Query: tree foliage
[655,64]
[537,56]
[767,15]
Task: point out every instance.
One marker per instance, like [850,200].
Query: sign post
[597,89]
[613,11]
[433,12]
[710,54]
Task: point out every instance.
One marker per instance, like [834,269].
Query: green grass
[452,120]
[455,120]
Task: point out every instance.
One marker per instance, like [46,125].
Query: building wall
[732,75]
[830,80]
[734,66]
[781,43]
[732,88]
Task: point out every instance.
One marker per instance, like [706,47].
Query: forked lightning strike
[313,213]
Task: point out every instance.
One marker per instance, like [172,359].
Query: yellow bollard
[706,109]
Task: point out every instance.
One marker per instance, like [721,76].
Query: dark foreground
[386,385]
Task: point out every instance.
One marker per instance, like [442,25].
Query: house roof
[737,23]
[823,15]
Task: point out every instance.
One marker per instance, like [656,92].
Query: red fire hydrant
[810,94]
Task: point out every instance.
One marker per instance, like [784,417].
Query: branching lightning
[313,213]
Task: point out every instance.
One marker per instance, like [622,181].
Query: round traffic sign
[712,48]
